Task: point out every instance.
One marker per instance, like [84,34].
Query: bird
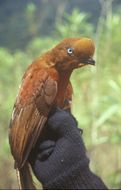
[45,84]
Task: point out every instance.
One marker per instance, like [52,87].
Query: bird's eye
[70,50]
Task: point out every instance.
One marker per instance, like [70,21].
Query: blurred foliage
[69,26]
[97,90]
[20,21]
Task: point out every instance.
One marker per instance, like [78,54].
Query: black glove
[61,162]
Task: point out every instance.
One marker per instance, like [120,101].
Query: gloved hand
[60,162]
[56,157]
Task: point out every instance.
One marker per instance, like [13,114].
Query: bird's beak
[89,61]
[84,62]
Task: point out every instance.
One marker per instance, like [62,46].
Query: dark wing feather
[30,116]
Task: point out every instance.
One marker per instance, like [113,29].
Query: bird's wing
[68,97]
[30,112]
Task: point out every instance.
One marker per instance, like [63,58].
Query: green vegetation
[97,91]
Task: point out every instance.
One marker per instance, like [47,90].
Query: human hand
[61,153]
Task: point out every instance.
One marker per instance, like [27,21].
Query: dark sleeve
[78,177]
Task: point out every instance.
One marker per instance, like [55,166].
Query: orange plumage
[45,84]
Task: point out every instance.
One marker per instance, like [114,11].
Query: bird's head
[73,53]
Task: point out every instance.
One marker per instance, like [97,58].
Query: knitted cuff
[76,178]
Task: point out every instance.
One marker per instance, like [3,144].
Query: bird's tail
[25,178]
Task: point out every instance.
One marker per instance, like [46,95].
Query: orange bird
[45,84]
